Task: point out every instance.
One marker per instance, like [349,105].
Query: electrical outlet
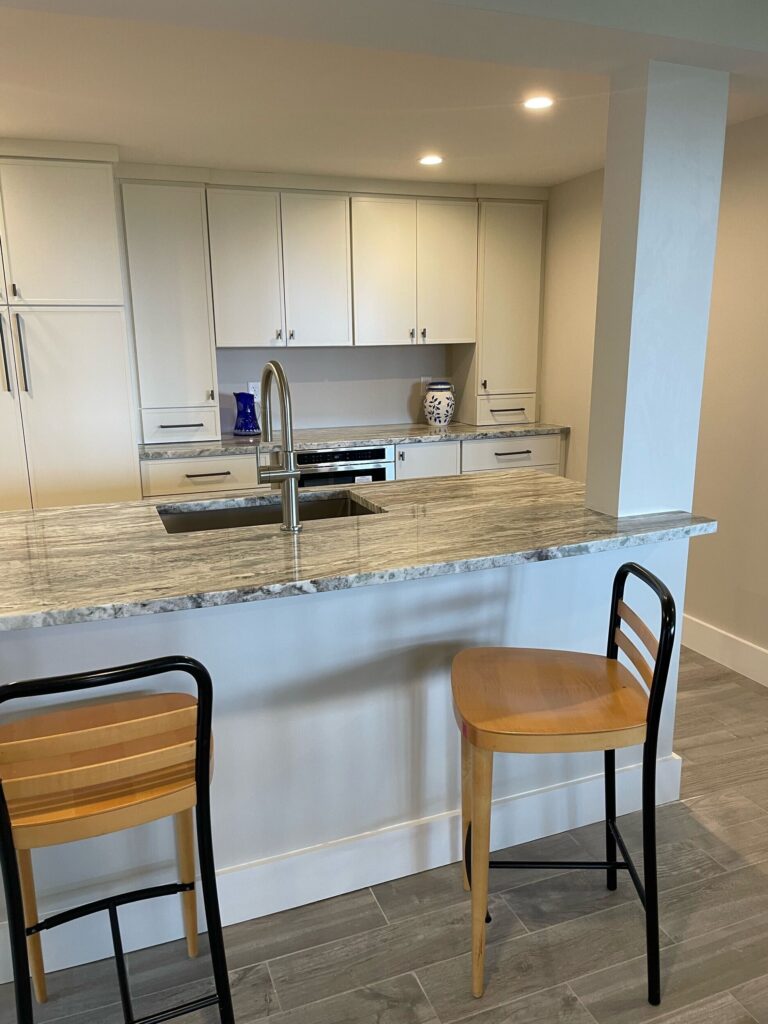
[254,387]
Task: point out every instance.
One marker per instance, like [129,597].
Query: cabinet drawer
[510,453]
[505,409]
[185,476]
[436,458]
[164,425]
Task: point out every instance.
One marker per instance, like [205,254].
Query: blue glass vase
[246,422]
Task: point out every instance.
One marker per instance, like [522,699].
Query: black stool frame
[221,997]
[647,888]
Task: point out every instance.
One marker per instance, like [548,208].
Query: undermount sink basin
[226,515]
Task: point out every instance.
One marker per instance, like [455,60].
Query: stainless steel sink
[229,514]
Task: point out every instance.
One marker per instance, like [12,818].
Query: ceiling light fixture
[431,160]
[538,103]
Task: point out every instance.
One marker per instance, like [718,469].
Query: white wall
[570,296]
[338,386]
[727,593]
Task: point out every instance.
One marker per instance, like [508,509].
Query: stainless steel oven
[338,466]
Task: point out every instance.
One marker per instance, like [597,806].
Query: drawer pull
[179,426]
[525,451]
[520,409]
[196,476]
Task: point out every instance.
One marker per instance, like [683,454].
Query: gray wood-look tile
[691,971]
[383,953]
[711,903]
[554,1006]
[537,961]
[293,930]
[754,996]
[567,897]
[722,1009]
[397,1001]
[441,887]
[726,808]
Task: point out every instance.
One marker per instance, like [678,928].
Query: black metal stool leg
[650,873]
[212,914]
[22,986]
[610,814]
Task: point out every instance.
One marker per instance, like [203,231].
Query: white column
[666,131]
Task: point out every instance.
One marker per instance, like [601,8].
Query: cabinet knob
[484,385]
[401,456]
[424,333]
[291,335]
[14,289]
[412,332]
[211,395]
[279,333]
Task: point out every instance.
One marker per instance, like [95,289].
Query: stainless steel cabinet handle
[6,367]
[196,476]
[423,333]
[413,334]
[401,456]
[211,395]
[179,426]
[291,335]
[519,409]
[22,357]
[279,333]
[525,451]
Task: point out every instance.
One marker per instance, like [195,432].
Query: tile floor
[562,949]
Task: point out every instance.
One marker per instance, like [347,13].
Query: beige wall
[728,574]
[570,295]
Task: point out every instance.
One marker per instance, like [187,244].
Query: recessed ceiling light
[538,103]
[431,159]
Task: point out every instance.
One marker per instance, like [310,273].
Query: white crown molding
[45,149]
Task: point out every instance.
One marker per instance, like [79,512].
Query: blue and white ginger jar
[439,403]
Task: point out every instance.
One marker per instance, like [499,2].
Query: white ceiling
[347,87]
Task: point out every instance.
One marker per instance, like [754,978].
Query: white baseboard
[726,648]
[303,876]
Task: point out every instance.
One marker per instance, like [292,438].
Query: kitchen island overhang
[337,756]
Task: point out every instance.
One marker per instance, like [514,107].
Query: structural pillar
[666,133]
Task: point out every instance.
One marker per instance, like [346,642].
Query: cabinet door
[60,228]
[384,271]
[76,406]
[447,271]
[433,458]
[244,232]
[14,478]
[510,296]
[316,265]
[166,235]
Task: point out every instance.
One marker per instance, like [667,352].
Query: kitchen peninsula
[352,684]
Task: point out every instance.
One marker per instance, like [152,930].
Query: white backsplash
[338,386]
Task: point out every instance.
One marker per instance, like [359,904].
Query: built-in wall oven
[337,466]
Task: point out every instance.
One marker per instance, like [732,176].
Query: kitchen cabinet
[447,271]
[189,476]
[59,233]
[317,268]
[14,476]
[384,270]
[537,450]
[246,268]
[167,240]
[432,458]
[74,401]
[502,370]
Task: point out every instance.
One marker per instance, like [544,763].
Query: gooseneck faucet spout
[286,473]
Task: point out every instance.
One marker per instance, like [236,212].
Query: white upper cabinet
[316,267]
[14,477]
[76,405]
[447,271]
[509,297]
[246,268]
[167,238]
[384,270]
[59,233]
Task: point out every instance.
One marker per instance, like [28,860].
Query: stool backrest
[654,673]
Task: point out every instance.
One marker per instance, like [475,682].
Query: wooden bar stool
[525,701]
[90,770]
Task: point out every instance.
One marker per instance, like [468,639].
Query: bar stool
[84,771]
[526,701]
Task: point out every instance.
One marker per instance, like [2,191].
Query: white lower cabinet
[166,425]
[434,458]
[510,453]
[14,476]
[75,403]
[190,476]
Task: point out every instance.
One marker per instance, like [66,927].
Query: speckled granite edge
[346,581]
[347,437]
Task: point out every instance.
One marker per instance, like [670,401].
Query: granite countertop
[346,437]
[113,561]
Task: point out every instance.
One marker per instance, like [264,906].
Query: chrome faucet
[285,473]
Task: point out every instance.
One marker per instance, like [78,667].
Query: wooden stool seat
[525,700]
